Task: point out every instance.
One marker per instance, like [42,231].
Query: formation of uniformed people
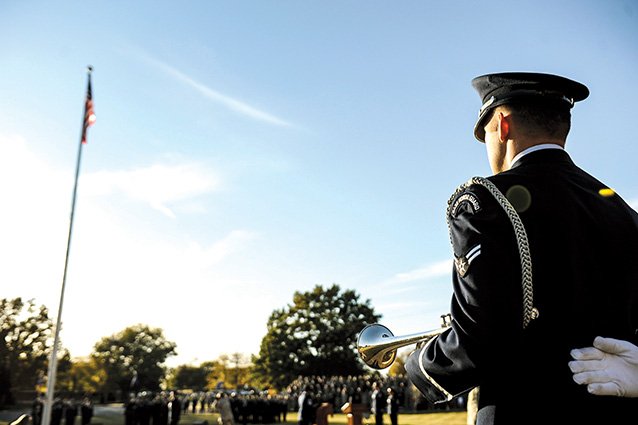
[258,408]
[248,406]
[64,411]
[339,390]
[146,408]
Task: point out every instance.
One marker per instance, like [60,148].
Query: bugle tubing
[377,345]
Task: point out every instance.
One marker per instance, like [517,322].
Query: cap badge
[487,105]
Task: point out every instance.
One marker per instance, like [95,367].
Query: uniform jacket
[225,411]
[392,403]
[583,246]
[307,408]
[377,402]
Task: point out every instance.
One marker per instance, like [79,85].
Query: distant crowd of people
[338,390]
[64,411]
[379,396]
[375,396]
[249,406]
[147,408]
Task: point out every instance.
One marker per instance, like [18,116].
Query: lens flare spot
[519,197]
[606,192]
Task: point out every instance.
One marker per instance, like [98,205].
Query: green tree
[189,377]
[212,376]
[85,376]
[64,380]
[133,359]
[316,335]
[234,369]
[24,332]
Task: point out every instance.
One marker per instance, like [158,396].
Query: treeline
[314,335]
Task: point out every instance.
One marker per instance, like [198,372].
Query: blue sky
[244,150]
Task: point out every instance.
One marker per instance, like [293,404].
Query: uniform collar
[534,148]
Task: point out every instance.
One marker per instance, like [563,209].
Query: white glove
[610,367]
[23,419]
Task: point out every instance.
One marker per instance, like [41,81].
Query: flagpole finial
[90,68]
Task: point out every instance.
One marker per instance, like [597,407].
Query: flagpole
[53,360]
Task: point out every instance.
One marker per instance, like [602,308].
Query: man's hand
[610,367]
[24,419]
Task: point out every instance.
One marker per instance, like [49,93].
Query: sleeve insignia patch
[463,262]
[466,197]
[462,265]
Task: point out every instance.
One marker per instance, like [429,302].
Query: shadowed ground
[113,414]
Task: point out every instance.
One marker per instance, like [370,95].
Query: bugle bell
[377,345]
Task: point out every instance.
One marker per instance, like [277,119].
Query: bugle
[377,345]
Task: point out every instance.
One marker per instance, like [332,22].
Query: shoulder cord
[529,311]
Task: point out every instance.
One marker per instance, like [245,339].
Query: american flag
[89,114]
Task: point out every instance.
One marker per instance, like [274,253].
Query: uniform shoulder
[470,197]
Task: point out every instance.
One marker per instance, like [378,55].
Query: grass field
[112,415]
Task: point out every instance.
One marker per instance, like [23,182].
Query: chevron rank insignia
[463,262]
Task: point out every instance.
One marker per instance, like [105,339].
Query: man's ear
[503,127]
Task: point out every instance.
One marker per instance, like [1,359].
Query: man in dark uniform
[307,407]
[37,408]
[545,260]
[57,410]
[392,404]
[70,411]
[86,410]
[377,403]
[176,407]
